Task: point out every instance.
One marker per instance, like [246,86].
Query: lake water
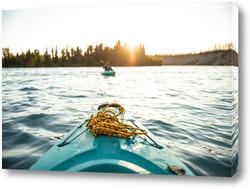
[192,109]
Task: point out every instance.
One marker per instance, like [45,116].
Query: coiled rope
[106,123]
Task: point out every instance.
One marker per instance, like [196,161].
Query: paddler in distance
[107,66]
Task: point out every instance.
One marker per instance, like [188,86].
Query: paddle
[99,60]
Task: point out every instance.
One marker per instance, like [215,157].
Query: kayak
[142,153]
[108,73]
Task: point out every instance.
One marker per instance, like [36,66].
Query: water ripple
[28,89]
[193,110]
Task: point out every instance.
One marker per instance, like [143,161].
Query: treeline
[119,55]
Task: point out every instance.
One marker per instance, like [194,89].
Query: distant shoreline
[211,58]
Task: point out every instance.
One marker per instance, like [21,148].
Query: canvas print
[130,89]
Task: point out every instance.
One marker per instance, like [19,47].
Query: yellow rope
[106,123]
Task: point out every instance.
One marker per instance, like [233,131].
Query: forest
[119,55]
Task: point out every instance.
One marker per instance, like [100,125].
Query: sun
[131,44]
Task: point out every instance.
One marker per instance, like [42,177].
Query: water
[192,109]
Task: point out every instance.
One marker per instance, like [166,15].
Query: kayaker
[107,66]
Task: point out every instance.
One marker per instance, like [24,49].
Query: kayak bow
[142,153]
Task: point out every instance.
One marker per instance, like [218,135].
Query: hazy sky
[162,28]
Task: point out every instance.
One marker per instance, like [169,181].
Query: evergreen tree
[46,57]
[6,57]
[56,56]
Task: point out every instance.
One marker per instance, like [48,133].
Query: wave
[29,89]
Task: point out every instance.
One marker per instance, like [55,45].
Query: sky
[164,28]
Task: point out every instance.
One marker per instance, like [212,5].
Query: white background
[61,180]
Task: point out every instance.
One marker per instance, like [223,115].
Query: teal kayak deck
[80,151]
